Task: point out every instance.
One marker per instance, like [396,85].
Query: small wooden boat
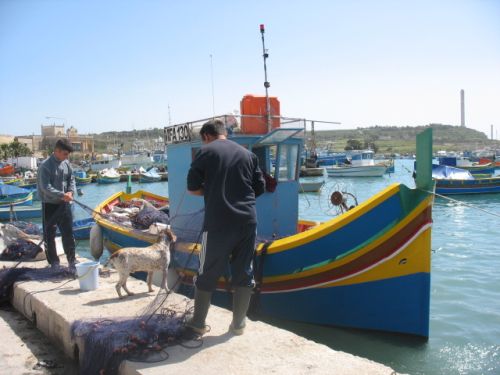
[81,178]
[311,186]
[83,181]
[361,164]
[108,176]
[451,181]
[15,196]
[117,236]
[150,176]
[20,212]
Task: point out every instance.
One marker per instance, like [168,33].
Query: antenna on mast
[265,55]
[212,78]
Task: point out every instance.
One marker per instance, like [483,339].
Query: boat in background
[311,172]
[311,186]
[81,178]
[108,176]
[136,160]
[465,163]
[362,164]
[106,162]
[6,169]
[81,228]
[11,195]
[20,212]
[116,235]
[451,181]
[150,176]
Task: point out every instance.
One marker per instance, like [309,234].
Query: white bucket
[88,275]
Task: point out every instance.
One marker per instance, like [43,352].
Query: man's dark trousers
[235,246]
[54,216]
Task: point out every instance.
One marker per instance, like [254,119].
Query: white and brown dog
[147,259]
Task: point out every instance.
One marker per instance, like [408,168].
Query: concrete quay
[53,307]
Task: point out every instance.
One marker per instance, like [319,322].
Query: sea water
[465,287]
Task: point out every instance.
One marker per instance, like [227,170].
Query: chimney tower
[462,108]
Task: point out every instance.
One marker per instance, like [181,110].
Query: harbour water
[465,296]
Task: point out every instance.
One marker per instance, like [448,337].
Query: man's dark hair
[213,128]
[64,144]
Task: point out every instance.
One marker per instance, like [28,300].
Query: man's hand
[68,197]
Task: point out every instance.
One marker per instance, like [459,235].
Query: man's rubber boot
[241,301]
[201,306]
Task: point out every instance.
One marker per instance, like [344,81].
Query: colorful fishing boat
[464,163]
[450,181]
[108,176]
[361,164]
[11,195]
[150,176]
[366,268]
[13,181]
[20,212]
[81,178]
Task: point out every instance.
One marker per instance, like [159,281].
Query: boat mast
[265,55]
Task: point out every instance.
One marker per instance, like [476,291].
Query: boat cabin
[362,158]
[278,152]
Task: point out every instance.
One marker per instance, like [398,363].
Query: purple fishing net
[9,276]
[20,250]
[105,343]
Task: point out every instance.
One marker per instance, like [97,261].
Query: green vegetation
[401,140]
[14,149]
[382,139]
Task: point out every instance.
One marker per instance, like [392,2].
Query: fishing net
[20,250]
[145,338]
[11,232]
[11,275]
[147,216]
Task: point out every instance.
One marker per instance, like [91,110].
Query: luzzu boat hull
[369,268]
[21,212]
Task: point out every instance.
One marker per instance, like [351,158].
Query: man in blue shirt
[56,186]
[228,177]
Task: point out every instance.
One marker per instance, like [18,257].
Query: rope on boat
[461,202]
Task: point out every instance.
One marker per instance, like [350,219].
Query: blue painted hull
[21,213]
[365,305]
[81,228]
[480,186]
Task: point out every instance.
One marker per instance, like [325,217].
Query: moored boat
[150,176]
[20,212]
[361,164]
[117,235]
[108,176]
[451,181]
[366,268]
[11,195]
[6,169]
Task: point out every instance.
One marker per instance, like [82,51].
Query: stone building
[82,143]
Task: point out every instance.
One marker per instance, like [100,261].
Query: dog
[147,259]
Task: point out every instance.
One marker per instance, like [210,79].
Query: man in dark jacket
[229,178]
[56,186]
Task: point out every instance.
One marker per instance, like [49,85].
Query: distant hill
[388,139]
[392,139]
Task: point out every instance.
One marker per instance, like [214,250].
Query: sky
[120,65]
